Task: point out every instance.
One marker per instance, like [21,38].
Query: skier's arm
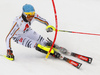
[12,32]
[42,20]
[49,27]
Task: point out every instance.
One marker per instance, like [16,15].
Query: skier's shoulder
[17,18]
[16,21]
[36,15]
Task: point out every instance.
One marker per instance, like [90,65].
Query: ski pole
[78,32]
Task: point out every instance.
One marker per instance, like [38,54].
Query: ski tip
[90,60]
[11,59]
[79,65]
[72,62]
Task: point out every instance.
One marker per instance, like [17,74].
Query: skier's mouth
[29,19]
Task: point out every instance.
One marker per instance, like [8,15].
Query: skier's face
[29,17]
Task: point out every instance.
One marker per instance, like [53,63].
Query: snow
[74,15]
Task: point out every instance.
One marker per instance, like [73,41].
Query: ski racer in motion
[22,33]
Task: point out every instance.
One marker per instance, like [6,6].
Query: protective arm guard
[45,50]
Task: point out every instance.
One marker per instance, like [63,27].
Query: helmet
[28,10]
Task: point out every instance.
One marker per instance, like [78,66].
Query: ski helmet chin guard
[28,10]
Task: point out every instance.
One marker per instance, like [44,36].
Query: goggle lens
[29,14]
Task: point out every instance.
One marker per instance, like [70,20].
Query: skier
[22,33]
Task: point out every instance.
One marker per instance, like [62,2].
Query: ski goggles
[29,14]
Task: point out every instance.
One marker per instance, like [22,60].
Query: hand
[50,28]
[10,53]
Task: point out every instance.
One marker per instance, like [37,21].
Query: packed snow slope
[74,15]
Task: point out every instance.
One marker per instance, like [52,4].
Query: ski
[79,56]
[82,57]
[66,52]
[72,62]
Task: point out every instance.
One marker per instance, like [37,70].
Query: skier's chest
[24,26]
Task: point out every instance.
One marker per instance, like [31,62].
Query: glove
[10,54]
[50,28]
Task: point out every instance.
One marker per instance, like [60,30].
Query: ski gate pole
[55,30]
